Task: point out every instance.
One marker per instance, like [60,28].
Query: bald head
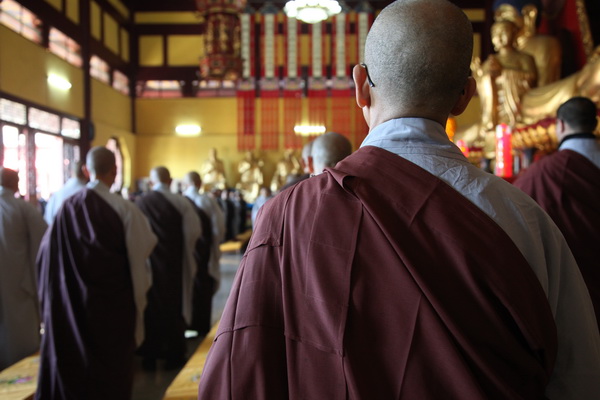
[193,178]
[160,175]
[328,150]
[418,55]
[9,179]
[100,164]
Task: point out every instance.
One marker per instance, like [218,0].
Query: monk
[405,272]
[207,253]
[328,150]
[21,230]
[92,287]
[177,226]
[567,185]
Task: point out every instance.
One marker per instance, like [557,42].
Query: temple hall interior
[240,85]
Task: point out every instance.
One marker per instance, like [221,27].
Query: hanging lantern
[222,60]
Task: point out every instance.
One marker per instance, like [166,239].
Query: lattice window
[159,89]
[121,82]
[11,111]
[21,20]
[65,47]
[70,128]
[99,69]
[39,119]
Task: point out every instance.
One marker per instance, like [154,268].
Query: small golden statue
[213,172]
[288,165]
[502,79]
[545,49]
[251,176]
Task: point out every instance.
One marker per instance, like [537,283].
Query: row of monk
[112,276]
[104,262]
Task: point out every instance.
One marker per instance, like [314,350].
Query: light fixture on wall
[309,130]
[188,130]
[312,11]
[59,82]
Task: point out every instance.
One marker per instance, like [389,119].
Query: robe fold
[87,304]
[367,286]
[203,282]
[567,186]
[163,319]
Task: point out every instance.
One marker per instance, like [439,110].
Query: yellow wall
[24,69]
[156,120]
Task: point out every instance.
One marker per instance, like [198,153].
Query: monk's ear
[465,97]
[85,171]
[362,92]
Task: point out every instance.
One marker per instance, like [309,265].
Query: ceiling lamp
[312,11]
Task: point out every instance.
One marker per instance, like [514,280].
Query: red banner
[504,161]
[342,104]
[317,108]
[269,119]
[246,119]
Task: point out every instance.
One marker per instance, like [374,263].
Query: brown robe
[87,304]
[567,186]
[376,280]
[163,318]
[204,284]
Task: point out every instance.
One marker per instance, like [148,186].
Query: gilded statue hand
[492,66]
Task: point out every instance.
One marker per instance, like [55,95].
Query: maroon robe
[204,284]
[163,319]
[567,186]
[376,280]
[87,304]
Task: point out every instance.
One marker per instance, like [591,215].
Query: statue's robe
[567,186]
[87,304]
[362,285]
[163,319]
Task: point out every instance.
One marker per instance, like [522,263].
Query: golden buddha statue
[213,172]
[503,78]
[545,49]
[288,165]
[543,102]
[251,176]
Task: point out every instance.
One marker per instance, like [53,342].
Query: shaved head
[9,179]
[193,178]
[328,150]
[418,55]
[100,161]
[160,174]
